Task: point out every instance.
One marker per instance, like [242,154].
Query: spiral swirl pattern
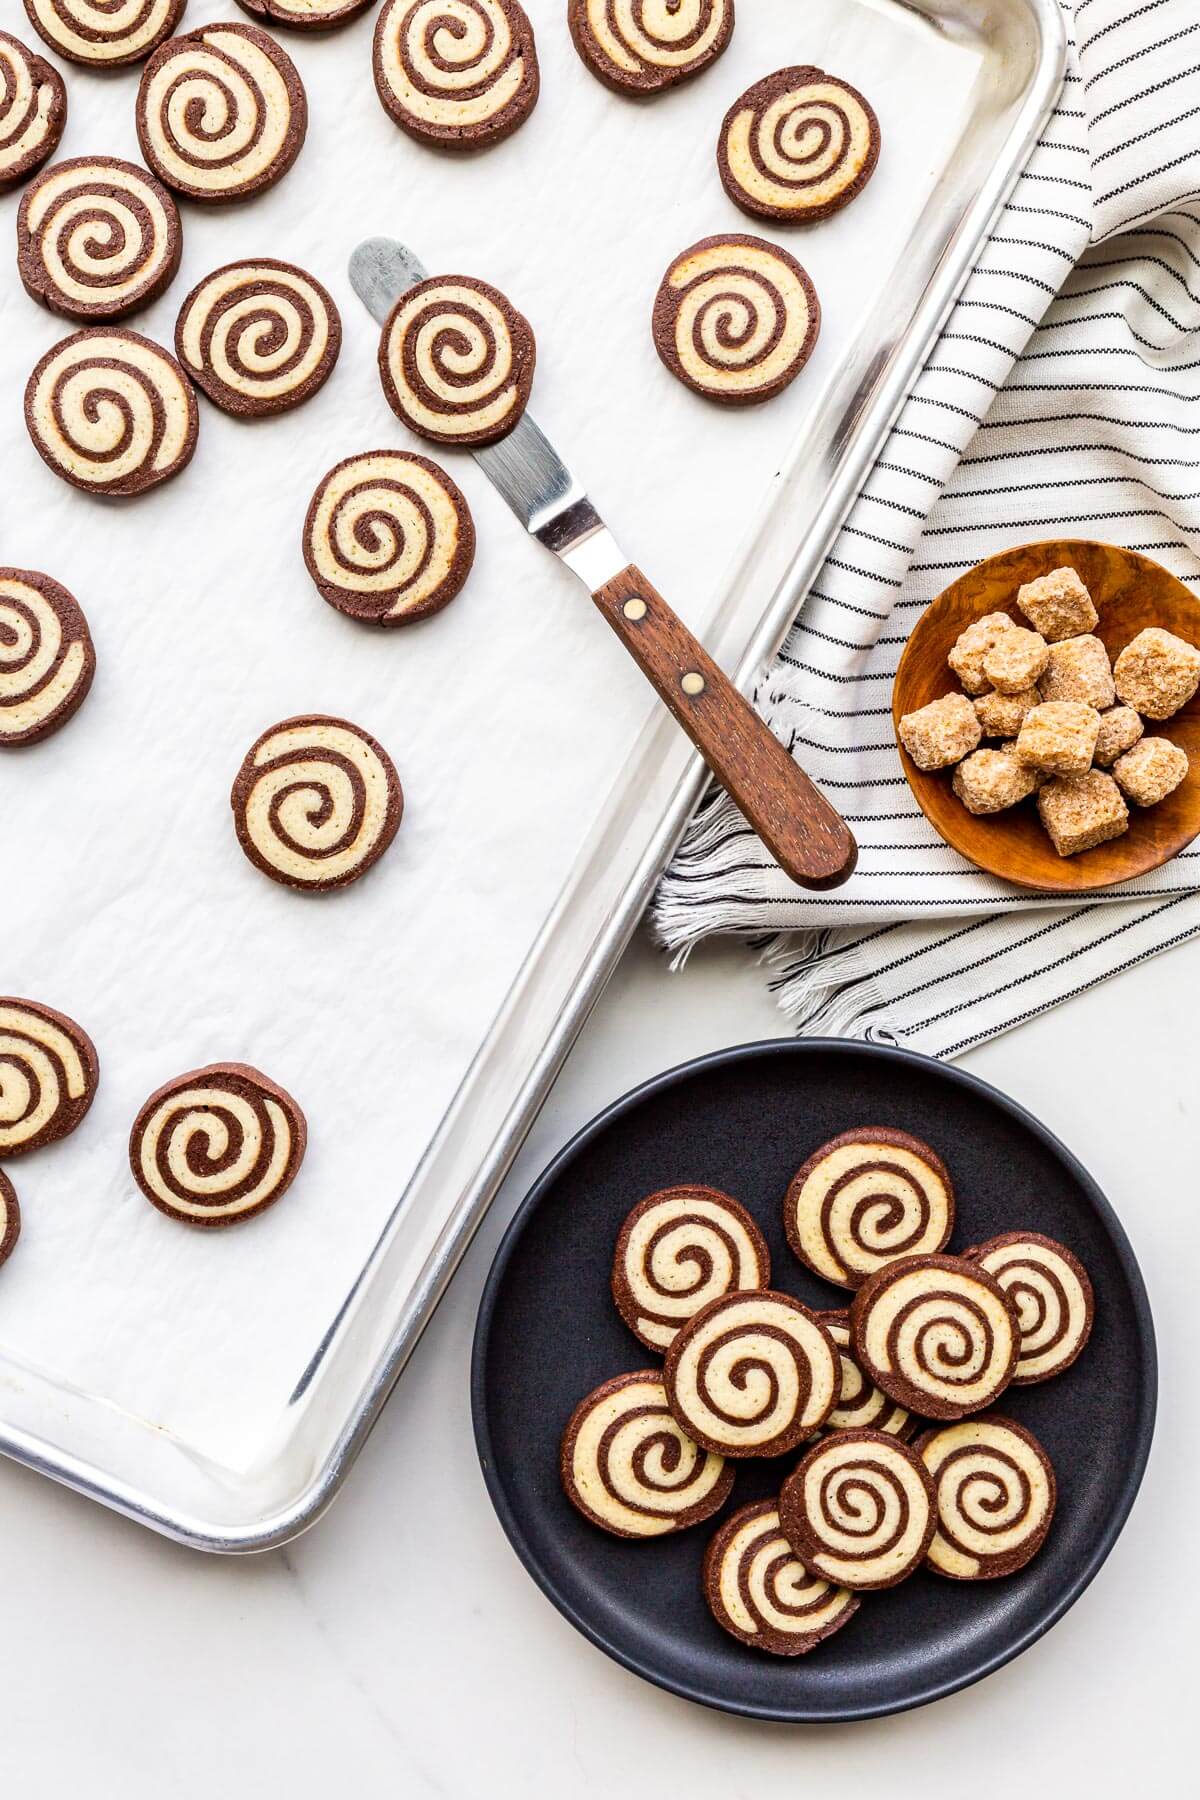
[752,1374]
[258,337]
[797,146]
[865,1198]
[640,46]
[217,1145]
[112,412]
[677,1251]
[995,1492]
[46,656]
[221,113]
[456,361]
[316,802]
[859,1510]
[305,15]
[104,32]
[10,1217]
[459,73]
[48,1075]
[630,1468]
[388,538]
[736,319]
[97,238]
[861,1406]
[33,110]
[937,1334]
[1053,1297]
[761,1592]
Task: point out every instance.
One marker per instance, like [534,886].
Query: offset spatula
[809,840]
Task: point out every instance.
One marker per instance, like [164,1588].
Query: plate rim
[1139,1445]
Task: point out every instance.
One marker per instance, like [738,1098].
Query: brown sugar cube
[941,733]
[1059,736]
[1058,605]
[1120,729]
[1039,777]
[1016,659]
[989,780]
[1081,811]
[1001,715]
[1151,770]
[1157,673]
[1078,669]
[972,645]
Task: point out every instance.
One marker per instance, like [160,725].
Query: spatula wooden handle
[810,841]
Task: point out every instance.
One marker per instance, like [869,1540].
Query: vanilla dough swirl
[33,111]
[48,1074]
[1052,1295]
[46,656]
[104,32]
[761,1592]
[677,1251]
[221,112]
[859,1510]
[456,361]
[861,1406]
[736,319]
[459,73]
[216,1145]
[640,46]
[112,412]
[258,337]
[937,1334]
[797,146]
[316,802]
[97,238]
[388,538]
[752,1374]
[865,1198]
[995,1493]
[631,1469]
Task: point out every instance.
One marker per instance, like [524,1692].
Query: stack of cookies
[904,1463]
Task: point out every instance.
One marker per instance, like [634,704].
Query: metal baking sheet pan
[217,1386]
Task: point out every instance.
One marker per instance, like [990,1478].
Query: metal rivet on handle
[692,683]
[634,609]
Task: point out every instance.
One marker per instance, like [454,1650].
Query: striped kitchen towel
[1062,399]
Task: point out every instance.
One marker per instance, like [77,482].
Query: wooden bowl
[1130,592]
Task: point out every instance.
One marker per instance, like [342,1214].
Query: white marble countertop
[399,1648]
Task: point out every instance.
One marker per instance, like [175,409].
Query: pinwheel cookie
[653,44]
[457,73]
[112,412]
[10,1217]
[761,1593]
[46,656]
[258,337]
[863,1199]
[861,1406]
[797,146]
[736,319]
[1050,1290]
[678,1250]
[48,1075]
[97,238]
[456,360]
[33,111]
[630,1467]
[936,1333]
[217,1145]
[752,1374]
[101,32]
[859,1510]
[995,1493]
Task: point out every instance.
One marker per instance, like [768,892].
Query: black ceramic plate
[548,1332]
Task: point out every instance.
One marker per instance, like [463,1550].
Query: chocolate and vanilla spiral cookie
[629,1467]
[46,656]
[936,1333]
[752,1374]
[111,412]
[97,238]
[640,46]
[861,1406]
[762,1594]
[48,1075]
[221,112]
[10,1217]
[736,319]
[258,337]
[677,1250]
[33,111]
[859,1509]
[1052,1294]
[865,1198]
[316,802]
[456,360]
[797,146]
[305,15]
[217,1145]
[995,1494]
[389,537]
[459,73]
[104,33]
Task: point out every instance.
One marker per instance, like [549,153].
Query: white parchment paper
[124,899]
